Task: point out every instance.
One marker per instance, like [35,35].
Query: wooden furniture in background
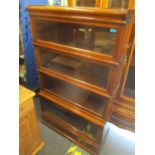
[80,55]
[124,113]
[29,137]
[103,3]
[124,105]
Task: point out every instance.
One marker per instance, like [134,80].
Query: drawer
[97,39]
[79,69]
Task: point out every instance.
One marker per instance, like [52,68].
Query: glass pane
[73,120]
[86,3]
[70,134]
[97,39]
[118,3]
[78,68]
[129,89]
[75,95]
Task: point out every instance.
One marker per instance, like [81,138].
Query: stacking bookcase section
[77,70]
[80,54]
[97,39]
[101,33]
[88,105]
[75,67]
[63,121]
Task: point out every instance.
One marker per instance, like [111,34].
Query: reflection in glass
[73,120]
[78,68]
[129,89]
[75,95]
[92,38]
[118,3]
[86,3]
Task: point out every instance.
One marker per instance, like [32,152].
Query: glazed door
[100,40]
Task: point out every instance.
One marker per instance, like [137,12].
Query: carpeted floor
[118,142]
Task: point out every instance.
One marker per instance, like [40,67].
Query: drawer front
[80,69]
[100,40]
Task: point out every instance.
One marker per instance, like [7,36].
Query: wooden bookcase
[124,104]
[124,113]
[80,54]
